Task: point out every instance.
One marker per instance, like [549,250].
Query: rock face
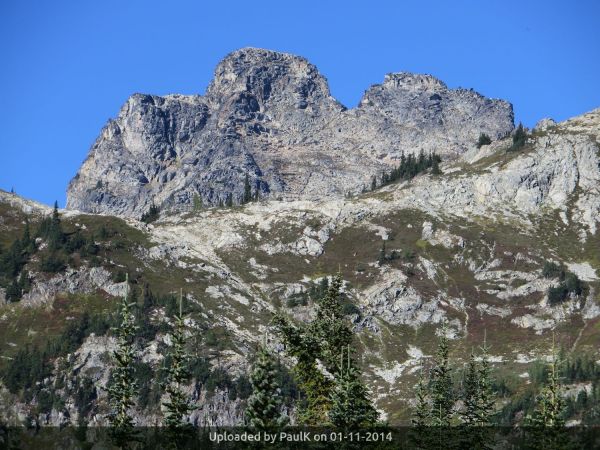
[271,116]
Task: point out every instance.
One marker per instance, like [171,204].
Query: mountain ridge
[469,247]
[271,116]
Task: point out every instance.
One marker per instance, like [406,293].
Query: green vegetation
[247,197]
[197,202]
[62,247]
[263,410]
[151,215]
[351,407]
[549,405]
[569,284]
[519,139]
[122,388]
[324,340]
[409,168]
[484,139]
[178,406]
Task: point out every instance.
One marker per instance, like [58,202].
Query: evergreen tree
[197,202]
[350,404]
[56,237]
[229,200]
[519,139]
[247,190]
[478,403]
[435,167]
[470,415]
[13,292]
[330,326]
[312,383]
[256,196]
[421,162]
[374,183]
[484,139]
[178,405]
[550,405]
[123,388]
[381,258]
[422,412]
[442,398]
[27,242]
[421,433]
[320,341]
[548,423]
[486,397]
[151,215]
[264,405]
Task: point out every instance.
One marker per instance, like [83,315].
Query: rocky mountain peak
[414,81]
[258,80]
[270,116]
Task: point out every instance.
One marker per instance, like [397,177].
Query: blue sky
[68,66]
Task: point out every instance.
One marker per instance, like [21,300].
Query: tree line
[408,168]
[59,246]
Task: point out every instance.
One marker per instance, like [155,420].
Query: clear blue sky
[68,66]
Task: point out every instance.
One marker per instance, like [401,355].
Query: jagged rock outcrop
[270,115]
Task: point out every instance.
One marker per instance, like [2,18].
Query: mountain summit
[270,116]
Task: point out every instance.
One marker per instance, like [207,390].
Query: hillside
[479,246]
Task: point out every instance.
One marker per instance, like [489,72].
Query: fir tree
[312,383]
[422,413]
[381,258]
[178,405]
[484,139]
[27,242]
[486,397]
[264,405]
[229,200]
[519,139]
[247,190]
[548,420]
[56,237]
[478,403]
[151,215]
[330,326]
[550,405]
[320,341]
[374,183]
[256,195]
[420,434]
[470,415]
[350,404]
[435,167]
[13,292]
[197,202]
[442,398]
[123,388]
[421,162]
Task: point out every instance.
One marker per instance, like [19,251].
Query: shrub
[349,309]
[573,283]
[52,263]
[557,294]
[551,270]
[151,215]
[484,139]
[519,139]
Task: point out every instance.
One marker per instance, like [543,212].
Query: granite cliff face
[270,115]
